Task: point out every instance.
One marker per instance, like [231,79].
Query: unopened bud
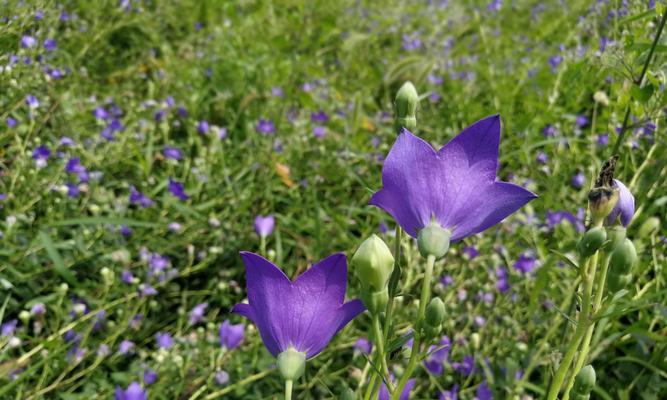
[107,276]
[592,241]
[433,240]
[373,263]
[476,340]
[623,258]
[615,237]
[406,103]
[24,316]
[375,302]
[584,383]
[601,200]
[617,282]
[347,394]
[291,364]
[435,312]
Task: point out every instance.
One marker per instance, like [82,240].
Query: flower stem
[379,341]
[586,344]
[583,323]
[393,283]
[288,389]
[416,344]
[639,81]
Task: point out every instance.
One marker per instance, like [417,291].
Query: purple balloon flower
[173,153]
[177,190]
[450,394]
[150,377]
[133,392]
[625,207]
[438,354]
[164,340]
[197,313]
[231,336]
[525,264]
[362,345]
[264,225]
[265,126]
[303,314]
[456,185]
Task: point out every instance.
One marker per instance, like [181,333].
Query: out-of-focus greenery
[559,73]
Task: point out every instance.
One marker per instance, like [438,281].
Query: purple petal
[625,206]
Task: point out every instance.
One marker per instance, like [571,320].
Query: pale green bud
[584,383]
[476,340]
[24,316]
[591,241]
[347,394]
[291,364]
[433,240]
[373,263]
[615,237]
[406,103]
[107,276]
[375,302]
[435,312]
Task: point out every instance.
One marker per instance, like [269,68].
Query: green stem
[586,345]
[621,134]
[582,328]
[379,341]
[288,389]
[416,344]
[393,283]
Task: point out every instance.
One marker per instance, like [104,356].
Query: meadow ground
[140,141]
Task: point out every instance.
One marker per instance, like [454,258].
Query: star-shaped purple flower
[304,314]
[456,185]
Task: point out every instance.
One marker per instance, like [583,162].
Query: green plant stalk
[639,81]
[586,344]
[371,383]
[288,389]
[379,341]
[393,283]
[416,344]
[582,327]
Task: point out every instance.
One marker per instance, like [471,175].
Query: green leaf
[56,259]
[565,258]
[642,95]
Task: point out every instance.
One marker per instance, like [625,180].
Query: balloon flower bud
[375,302]
[649,227]
[433,240]
[435,312]
[615,237]
[584,383]
[291,364]
[347,394]
[592,241]
[623,258]
[406,103]
[601,201]
[374,263]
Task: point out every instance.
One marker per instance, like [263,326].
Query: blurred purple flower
[50,44]
[466,366]
[197,313]
[405,394]
[265,127]
[136,197]
[41,154]
[31,101]
[177,190]
[581,121]
[319,131]
[483,392]
[221,377]
[438,354]
[502,284]
[554,218]
[230,335]
[320,117]
[173,153]
[28,41]
[7,329]
[578,180]
[133,392]
[11,122]
[150,377]
[603,139]
[164,340]
[264,225]
[38,309]
[125,347]
[471,251]
[549,131]
[451,394]
[202,127]
[305,313]
[526,263]
[363,345]
[541,157]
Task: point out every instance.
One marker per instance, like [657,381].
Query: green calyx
[433,240]
[375,302]
[291,364]
[373,263]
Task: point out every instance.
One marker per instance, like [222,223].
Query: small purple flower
[581,121]
[624,208]
[136,197]
[265,127]
[197,313]
[7,329]
[483,392]
[231,336]
[103,351]
[133,392]
[603,139]
[11,122]
[451,394]
[67,141]
[502,284]
[41,154]
[73,190]
[278,92]
[319,131]
[150,377]
[100,113]
[173,153]
[554,218]
[177,190]
[303,314]
[164,340]
[264,225]
[221,377]
[470,251]
[363,345]
[578,180]
[28,41]
[405,394]
[127,277]
[542,157]
[526,263]
[469,199]
[438,354]
[554,62]
[203,127]
[31,101]
[495,5]
[125,347]
[549,131]
[466,366]
[146,290]
[38,309]
[50,44]
[125,230]
[447,280]
[320,117]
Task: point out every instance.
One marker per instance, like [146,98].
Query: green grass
[350,54]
